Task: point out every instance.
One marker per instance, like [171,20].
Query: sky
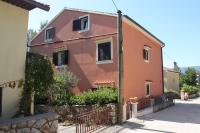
[175,22]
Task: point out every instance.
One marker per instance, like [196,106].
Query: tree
[30,35]
[38,77]
[43,24]
[189,77]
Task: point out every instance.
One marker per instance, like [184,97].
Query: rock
[31,122]
[23,130]
[38,124]
[54,126]
[33,130]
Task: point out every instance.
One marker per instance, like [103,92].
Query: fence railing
[93,120]
[163,102]
[143,103]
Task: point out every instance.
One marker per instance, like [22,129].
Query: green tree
[38,77]
[31,34]
[189,77]
[43,24]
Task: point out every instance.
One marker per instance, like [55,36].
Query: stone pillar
[152,102]
[124,112]
[182,95]
[134,107]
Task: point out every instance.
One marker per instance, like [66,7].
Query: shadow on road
[181,113]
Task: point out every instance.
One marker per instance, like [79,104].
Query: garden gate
[93,120]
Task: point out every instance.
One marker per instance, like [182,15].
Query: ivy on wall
[13,84]
[38,77]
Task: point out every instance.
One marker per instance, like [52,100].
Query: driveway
[184,117]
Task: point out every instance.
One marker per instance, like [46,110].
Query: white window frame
[88,23]
[148,50]
[97,55]
[148,83]
[58,51]
[47,40]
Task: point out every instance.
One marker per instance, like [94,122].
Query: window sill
[60,67]
[104,62]
[146,61]
[48,40]
[81,31]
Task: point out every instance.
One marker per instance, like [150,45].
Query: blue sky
[175,22]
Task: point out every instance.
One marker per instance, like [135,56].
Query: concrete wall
[135,70]
[171,81]
[13,25]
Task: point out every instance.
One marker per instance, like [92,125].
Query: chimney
[176,69]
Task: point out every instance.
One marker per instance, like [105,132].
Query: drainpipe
[120,52]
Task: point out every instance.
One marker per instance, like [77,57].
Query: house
[86,42]
[14,25]
[172,78]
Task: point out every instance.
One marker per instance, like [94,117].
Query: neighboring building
[13,33]
[171,79]
[86,42]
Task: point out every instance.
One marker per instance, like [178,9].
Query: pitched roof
[28,4]
[107,14]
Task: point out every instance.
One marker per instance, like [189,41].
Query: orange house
[86,42]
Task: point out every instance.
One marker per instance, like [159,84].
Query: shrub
[103,95]
[38,77]
[175,94]
[190,89]
[58,93]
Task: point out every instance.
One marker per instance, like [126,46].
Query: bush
[103,95]
[38,77]
[58,93]
[175,94]
[190,89]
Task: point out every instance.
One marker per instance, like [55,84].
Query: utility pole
[120,53]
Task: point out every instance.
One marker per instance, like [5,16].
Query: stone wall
[43,123]
[68,113]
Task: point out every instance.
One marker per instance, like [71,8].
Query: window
[146,54]
[49,34]
[60,58]
[148,87]
[81,24]
[104,51]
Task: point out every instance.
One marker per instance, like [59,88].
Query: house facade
[13,33]
[86,42]
[172,79]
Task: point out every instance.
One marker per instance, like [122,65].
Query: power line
[115,5]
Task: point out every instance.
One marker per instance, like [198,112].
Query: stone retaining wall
[43,123]
[68,113]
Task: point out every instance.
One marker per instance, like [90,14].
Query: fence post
[134,107]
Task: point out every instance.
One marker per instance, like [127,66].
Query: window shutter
[55,59]
[53,32]
[66,60]
[144,53]
[77,25]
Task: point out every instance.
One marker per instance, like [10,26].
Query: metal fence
[163,102]
[143,103]
[93,120]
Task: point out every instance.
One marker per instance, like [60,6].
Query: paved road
[184,117]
